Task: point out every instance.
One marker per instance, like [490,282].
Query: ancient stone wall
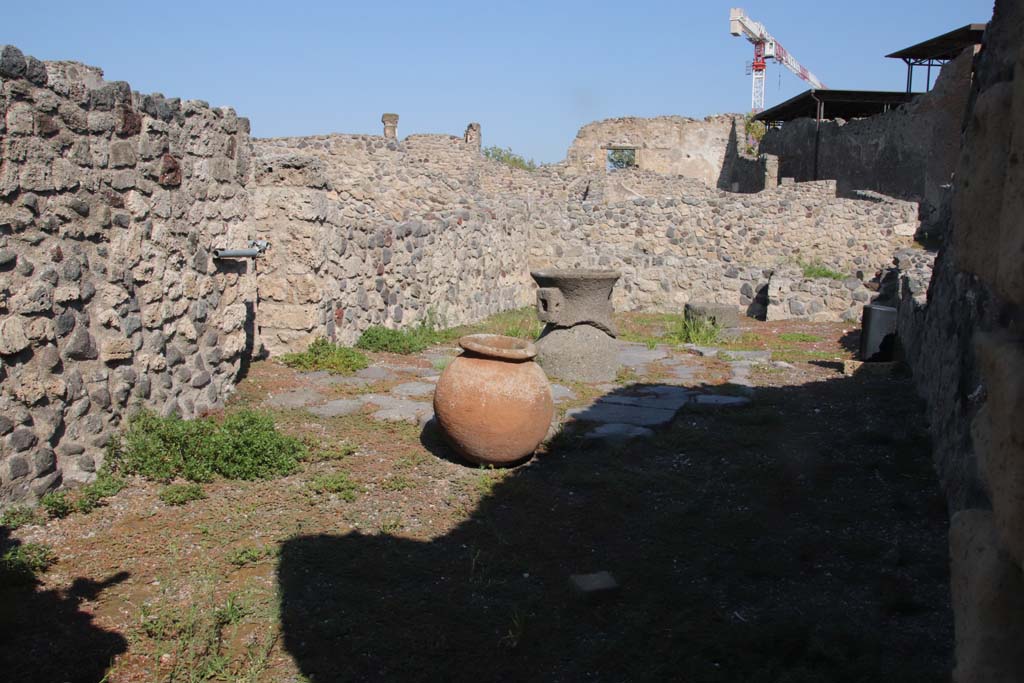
[908,152]
[965,343]
[673,145]
[110,205]
[368,231]
[707,245]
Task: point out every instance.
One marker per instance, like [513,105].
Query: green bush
[179,494]
[24,561]
[245,445]
[18,516]
[323,355]
[56,504]
[508,157]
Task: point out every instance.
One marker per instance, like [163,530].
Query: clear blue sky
[530,72]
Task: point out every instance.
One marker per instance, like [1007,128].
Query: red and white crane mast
[765,47]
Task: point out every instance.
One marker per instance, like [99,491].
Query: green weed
[694,331]
[18,516]
[799,337]
[244,445]
[250,555]
[338,483]
[323,355]
[56,504]
[179,494]
[25,561]
[397,483]
[817,269]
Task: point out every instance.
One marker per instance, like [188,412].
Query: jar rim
[498,346]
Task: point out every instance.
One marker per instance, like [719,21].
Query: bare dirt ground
[799,537]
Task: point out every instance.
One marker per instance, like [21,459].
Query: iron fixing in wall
[256,248]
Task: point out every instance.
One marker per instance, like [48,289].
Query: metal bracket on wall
[256,248]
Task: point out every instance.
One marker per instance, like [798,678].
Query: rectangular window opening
[620,157]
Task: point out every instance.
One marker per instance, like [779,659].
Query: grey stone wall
[374,232]
[909,152]
[965,343]
[707,245]
[110,202]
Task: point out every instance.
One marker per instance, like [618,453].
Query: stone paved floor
[657,383]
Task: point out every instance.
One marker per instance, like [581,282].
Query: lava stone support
[578,341]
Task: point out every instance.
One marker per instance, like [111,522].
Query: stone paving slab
[391,409]
[326,379]
[618,431]
[720,400]
[616,412]
[561,393]
[376,373]
[662,397]
[637,356]
[299,398]
[413,389]
[714,351]
[341,406]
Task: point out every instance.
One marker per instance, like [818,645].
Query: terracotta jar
[493,402]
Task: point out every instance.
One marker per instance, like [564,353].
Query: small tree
[507,156]
[753,132]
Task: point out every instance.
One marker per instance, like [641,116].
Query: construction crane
[765,47]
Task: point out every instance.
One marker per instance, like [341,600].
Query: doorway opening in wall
[620,157]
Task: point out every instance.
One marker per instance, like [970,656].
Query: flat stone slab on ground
[634,355]
[341,406]
[391,409]
[714,351]
[375,372]
[413,389]
[720,400]
[658,397]
[299,398]
[604,411]
[415,370]
[618,431]
[592,585]
[326,379]
[561,393]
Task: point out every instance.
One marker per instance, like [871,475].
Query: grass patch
[252,554]
[521,323]
[18,516]
[817,269]
[668,328]
[799,337]
[323,355]
[23,562]
[318,451]
[179,494]
[338,483]
[412,340]
[397,483]
[244,445]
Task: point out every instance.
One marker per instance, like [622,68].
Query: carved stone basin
[569,297]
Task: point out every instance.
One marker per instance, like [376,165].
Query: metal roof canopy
[828,103]
[938,50]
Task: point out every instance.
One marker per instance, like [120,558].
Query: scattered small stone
[594,585]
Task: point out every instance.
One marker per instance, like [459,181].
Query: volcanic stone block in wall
[722,315]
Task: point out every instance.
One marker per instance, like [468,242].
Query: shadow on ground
[798,538]
[45,636]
